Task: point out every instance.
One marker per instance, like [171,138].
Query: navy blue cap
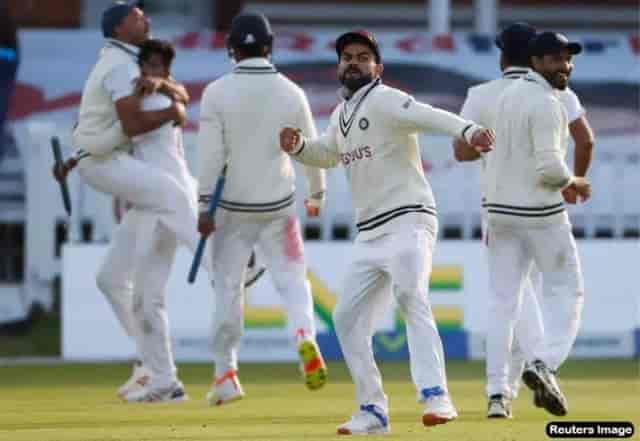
[250,29]
[114,15]
[548,43]
[514,40]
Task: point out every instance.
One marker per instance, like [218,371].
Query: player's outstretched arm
[408,114]
[314,152]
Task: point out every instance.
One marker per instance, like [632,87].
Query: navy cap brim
[574,48]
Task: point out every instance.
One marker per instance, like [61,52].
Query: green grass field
[78,403]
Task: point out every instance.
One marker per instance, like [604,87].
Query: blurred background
[436,50]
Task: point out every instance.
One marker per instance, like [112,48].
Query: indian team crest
[363,123]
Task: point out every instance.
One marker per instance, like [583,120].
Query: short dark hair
[252,50]
[517,59]
[161,47]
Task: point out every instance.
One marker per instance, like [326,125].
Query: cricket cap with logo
[250,29]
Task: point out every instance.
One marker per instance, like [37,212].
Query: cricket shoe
[499,407]
[174,393]
[538,398]
[438,407]
[370,420]
[140,377]
[313,367]
[225,389]
[542,381]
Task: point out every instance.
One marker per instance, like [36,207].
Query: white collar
[128,48]
[515,72]
[256,64]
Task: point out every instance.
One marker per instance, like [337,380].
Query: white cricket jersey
[163,147]
[374,136]
[481,101]
[241,116]
[99,131]
[526,170]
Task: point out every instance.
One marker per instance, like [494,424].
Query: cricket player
[156,245]
[241,114]
[373,134]
[111,113]
[479,105]
[526,178]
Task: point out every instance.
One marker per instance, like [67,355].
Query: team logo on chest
[363,123]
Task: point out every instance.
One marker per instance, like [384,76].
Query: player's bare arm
[136,122]
[583,138]
[175,90]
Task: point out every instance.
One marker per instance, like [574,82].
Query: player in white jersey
[526,180]
[479,106]
[240,116]
[373,134]
[109,114]
[156,246]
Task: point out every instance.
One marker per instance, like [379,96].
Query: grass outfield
[77,402]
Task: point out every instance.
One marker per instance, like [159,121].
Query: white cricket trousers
[138,263]
[150,190]
[529,329]
[393,264]
[155,250]
[512,251]
[280,241]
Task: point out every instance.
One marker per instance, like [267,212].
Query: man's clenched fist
[289,139]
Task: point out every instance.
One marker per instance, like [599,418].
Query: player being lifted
[240,116]
[479,106]
[110,113]
[373,134]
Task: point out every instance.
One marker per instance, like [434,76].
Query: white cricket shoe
[438,409]
[370,420]
[499,407]
[174,393]
[140,377]
[225,389]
